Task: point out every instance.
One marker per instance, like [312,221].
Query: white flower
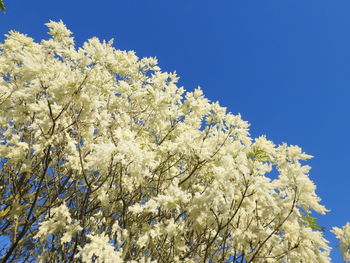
[343,234]
[99,248]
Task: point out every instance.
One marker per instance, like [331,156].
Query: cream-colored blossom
[99,250]
[343,234]
[60,221]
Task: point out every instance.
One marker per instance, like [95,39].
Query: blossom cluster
[343,234]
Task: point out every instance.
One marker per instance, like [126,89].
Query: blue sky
[283,64]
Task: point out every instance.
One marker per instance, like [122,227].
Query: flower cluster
[343,234]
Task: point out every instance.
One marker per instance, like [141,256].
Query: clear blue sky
[283,64]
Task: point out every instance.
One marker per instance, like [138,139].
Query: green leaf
[257,154]
[310,221]
[2,6]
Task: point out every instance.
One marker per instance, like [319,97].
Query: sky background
[282,64]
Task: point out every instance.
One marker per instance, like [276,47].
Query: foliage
[2,6]
[105,159]
[312,222]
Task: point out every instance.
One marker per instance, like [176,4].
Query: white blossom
[343,234]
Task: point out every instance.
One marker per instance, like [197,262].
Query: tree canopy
[105,159]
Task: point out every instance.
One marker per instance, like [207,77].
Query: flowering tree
[105,159]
